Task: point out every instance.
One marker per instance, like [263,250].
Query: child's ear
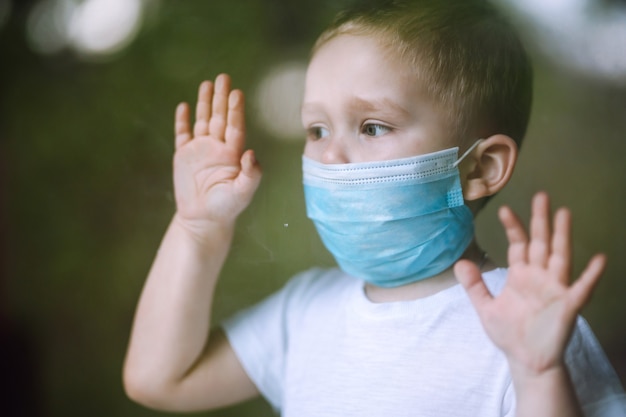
[489,167]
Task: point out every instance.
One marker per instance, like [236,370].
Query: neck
[428,286]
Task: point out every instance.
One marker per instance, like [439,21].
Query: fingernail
[219,82]
[234,98]
[252,159]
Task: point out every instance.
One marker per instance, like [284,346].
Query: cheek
[312,150]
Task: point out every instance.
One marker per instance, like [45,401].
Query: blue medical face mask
[392,222]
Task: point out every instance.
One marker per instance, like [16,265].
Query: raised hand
[214,179]
[531,320]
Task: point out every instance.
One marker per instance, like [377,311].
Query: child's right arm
[174,361]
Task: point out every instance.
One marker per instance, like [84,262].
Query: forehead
[360,53]
[351,63]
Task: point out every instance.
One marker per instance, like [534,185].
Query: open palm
[214,179]
[532,318]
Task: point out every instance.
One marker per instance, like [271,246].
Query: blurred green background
[85,176]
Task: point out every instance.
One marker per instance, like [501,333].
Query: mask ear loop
[467,152]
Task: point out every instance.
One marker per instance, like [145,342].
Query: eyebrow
[359,104]
[377,105]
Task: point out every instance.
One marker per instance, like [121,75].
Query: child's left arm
[532,319]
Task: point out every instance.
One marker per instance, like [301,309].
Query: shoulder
[296,295]
[262,335]
[597,384]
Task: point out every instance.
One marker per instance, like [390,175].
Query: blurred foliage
[86,152]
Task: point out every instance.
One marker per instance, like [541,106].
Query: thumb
[469,276]
[250,175]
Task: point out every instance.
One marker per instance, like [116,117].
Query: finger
[217,123]
[250,174]
[581,290]
[516,235]
[181,125]
[203,109]
[468,274]
[235,134]
[539,247]
[561,257]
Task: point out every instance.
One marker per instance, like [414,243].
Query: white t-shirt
[319,347]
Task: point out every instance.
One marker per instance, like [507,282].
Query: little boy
[393,91]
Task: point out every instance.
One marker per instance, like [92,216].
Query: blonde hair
[467,55]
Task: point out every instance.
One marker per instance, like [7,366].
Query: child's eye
[373,129]
[317,132]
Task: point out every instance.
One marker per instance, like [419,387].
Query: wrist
[523,372]
[544,392]
[204,232]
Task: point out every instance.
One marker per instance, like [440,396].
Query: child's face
[361,105]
